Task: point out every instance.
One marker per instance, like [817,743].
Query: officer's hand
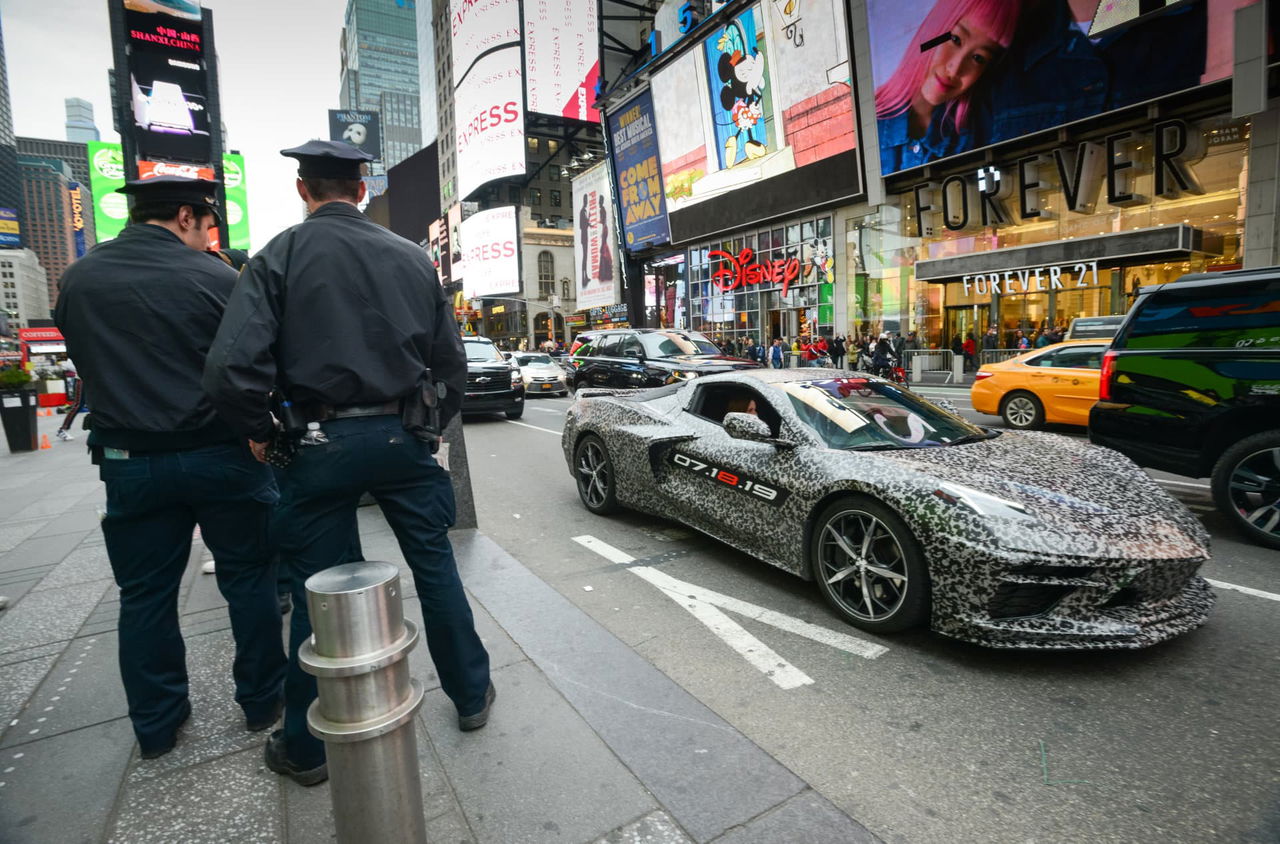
[259,450]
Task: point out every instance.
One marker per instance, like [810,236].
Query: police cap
[328,160]
[175,189]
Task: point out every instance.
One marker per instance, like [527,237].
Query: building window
[555,198]
[513,194]
[535,196]
[553,146]
[533,144]
[546,274]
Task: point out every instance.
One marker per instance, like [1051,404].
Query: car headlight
[683,375]
[981,503]
[515,378]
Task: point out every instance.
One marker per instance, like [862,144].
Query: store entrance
[783,324]
[965,320]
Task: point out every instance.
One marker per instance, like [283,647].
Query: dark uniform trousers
[154,501]
[320,489]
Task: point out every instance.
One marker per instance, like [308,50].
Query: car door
[730,488]
[1066,380]
[600,364]
[629,369]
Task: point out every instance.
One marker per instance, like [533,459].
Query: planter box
[18,415]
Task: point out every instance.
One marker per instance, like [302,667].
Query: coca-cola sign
[152,169]
[738,270]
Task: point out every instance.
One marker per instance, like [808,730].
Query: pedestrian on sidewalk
[168,460]
[75,402]
[350,320]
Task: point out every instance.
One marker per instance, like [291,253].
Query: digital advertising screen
[106,176]
[562,57]
[10,228]
[236,189]
[168,103]
[488,92]
[163,33]
[761,115]
[595,258]
[361,129]
[492,251]
[956,76]
[638,165]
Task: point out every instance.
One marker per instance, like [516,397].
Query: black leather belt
[348,410]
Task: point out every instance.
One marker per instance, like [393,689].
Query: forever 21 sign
[982,199]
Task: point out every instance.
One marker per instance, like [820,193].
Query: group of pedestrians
[969,348]
[321,357]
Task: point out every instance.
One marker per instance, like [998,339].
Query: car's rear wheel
[869,566]
[1022,411]
[1246,487]
[593,469]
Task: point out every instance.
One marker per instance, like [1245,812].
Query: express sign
[738,270]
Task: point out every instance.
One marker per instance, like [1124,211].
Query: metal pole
[364,713]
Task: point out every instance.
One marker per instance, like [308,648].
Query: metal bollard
[364,713]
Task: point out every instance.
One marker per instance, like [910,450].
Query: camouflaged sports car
[903,512]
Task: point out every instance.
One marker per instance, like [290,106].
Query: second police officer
[348,322]
[139,314]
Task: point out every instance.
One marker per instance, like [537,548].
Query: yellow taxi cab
[1057,383]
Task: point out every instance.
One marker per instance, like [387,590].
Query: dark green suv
[1191,385]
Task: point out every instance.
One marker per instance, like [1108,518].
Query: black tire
[593,471]
[889,604]
[1246,487]
[515,412]
[1022,411]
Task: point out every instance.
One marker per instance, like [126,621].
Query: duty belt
[348,410]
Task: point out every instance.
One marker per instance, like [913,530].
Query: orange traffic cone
[44,442]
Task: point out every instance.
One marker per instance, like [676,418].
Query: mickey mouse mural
[740,108]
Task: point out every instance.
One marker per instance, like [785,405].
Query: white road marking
[1180,483]
[706,605]
[534,427]
[546,410]
[1257,593]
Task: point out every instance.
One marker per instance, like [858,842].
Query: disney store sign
[1048,277]
[739,270]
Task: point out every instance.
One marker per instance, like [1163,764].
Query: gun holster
[420,415]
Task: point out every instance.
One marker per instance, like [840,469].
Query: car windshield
[666,344]
[482,351]
[526,360]
[858,413]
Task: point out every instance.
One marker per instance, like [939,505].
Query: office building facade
[80,126]
[24,288]
[10,179]
[379,56]
[46,184]
[75,155]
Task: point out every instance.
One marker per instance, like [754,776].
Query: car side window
[630,347]
[1223,316]
[1045,359]
[607,346]
[1078,357]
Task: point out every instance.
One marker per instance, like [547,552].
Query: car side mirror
[633,353]
[747,426]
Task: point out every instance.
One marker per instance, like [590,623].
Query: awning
[1141,246]
[46,348]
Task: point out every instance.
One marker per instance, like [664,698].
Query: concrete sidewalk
[588,742]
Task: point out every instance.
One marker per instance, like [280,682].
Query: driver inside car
[742,404]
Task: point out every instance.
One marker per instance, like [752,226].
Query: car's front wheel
[1246,487]
[593,469]
[1022,411]
[869,566]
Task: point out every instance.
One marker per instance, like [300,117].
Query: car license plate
[546,386]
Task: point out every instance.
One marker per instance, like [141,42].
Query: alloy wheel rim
[862,565]
[1255,490]
[1021,411]
[593,474]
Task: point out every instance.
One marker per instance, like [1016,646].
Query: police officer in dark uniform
[139,314]
[349,323]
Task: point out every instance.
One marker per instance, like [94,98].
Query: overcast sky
[278,69]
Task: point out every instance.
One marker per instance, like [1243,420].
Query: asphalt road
[922,738]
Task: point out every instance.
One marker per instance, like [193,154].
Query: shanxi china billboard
[757,121]
[955,75]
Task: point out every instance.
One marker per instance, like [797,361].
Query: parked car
[902,513]
[493,383]
[1094,327]
[541,374]
[1191,385]
[648,357]
[1056,384]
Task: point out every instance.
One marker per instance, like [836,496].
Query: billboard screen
[952,76]
[237,211]
[488,92]
[168,105]
[492,253]
[760,116]
[438,248]
[106,176]
[639,173]
[456,264]
[163,32]
[595,258]
[562,57]
[10,229]
[77,218]
[361,129]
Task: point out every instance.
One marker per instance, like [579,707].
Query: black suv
[493,382]
[1191,385]
[647,357]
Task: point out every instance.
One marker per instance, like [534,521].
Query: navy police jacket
[336,310]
